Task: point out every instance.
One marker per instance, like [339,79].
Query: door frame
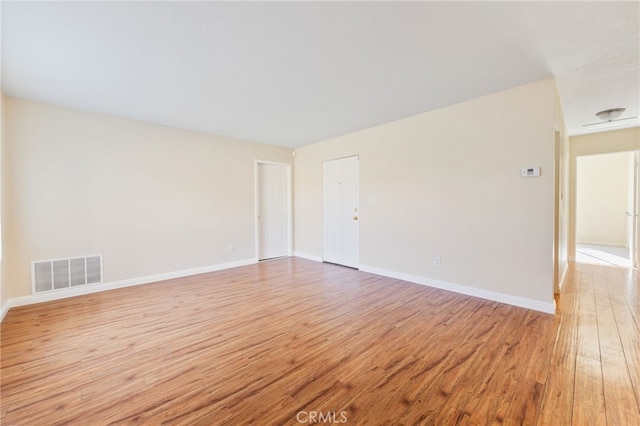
[633,244]
[635,181]
[256,203]
[558,198]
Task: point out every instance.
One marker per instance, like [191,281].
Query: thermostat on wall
[530,172]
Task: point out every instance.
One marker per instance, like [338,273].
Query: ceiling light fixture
[610,114]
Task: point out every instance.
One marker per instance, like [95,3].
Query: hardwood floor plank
[557,401]
[451,416]
[492,409]
[474,386]
[632,357]
[588,397]
[620,402]
[513,363]
[566,343]
[262,343]
[539,361]
[533,319]
[525,406]
[608,334]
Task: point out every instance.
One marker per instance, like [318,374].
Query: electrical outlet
[437,261]
[230,248]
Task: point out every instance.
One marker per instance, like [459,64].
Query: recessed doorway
[606,209]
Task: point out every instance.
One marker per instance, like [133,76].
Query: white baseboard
[308,256]
[523,302]
[601,243]
[4,309]
[95,288]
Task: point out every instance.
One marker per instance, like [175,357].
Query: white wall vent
[48,275]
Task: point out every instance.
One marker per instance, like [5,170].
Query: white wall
[601,199]
[151,199]
[448,184]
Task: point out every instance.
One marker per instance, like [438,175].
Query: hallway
[596,358]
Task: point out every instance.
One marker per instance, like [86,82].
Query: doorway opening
[606,209]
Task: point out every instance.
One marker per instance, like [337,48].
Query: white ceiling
[293,73]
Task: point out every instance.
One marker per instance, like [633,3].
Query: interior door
[341,212]
[273,211]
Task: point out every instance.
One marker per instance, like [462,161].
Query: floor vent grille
[48,275]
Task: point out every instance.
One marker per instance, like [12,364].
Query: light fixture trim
[610,114]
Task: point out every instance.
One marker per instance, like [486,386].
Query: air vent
[48,275]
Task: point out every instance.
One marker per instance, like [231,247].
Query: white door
[273,210]
[341,212]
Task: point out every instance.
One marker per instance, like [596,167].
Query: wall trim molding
[494,296]
[96,288]
[308,256]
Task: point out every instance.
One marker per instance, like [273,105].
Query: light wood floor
[261,344]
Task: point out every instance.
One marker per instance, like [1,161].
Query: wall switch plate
[437,261]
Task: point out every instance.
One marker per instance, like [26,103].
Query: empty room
[286,213]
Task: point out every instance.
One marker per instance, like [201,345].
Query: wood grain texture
[557,401]
[589,392]
[261,344]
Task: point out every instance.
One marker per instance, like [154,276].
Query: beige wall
[151,199]
[447,184]
[596,143]
[602,198]
[155,199]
